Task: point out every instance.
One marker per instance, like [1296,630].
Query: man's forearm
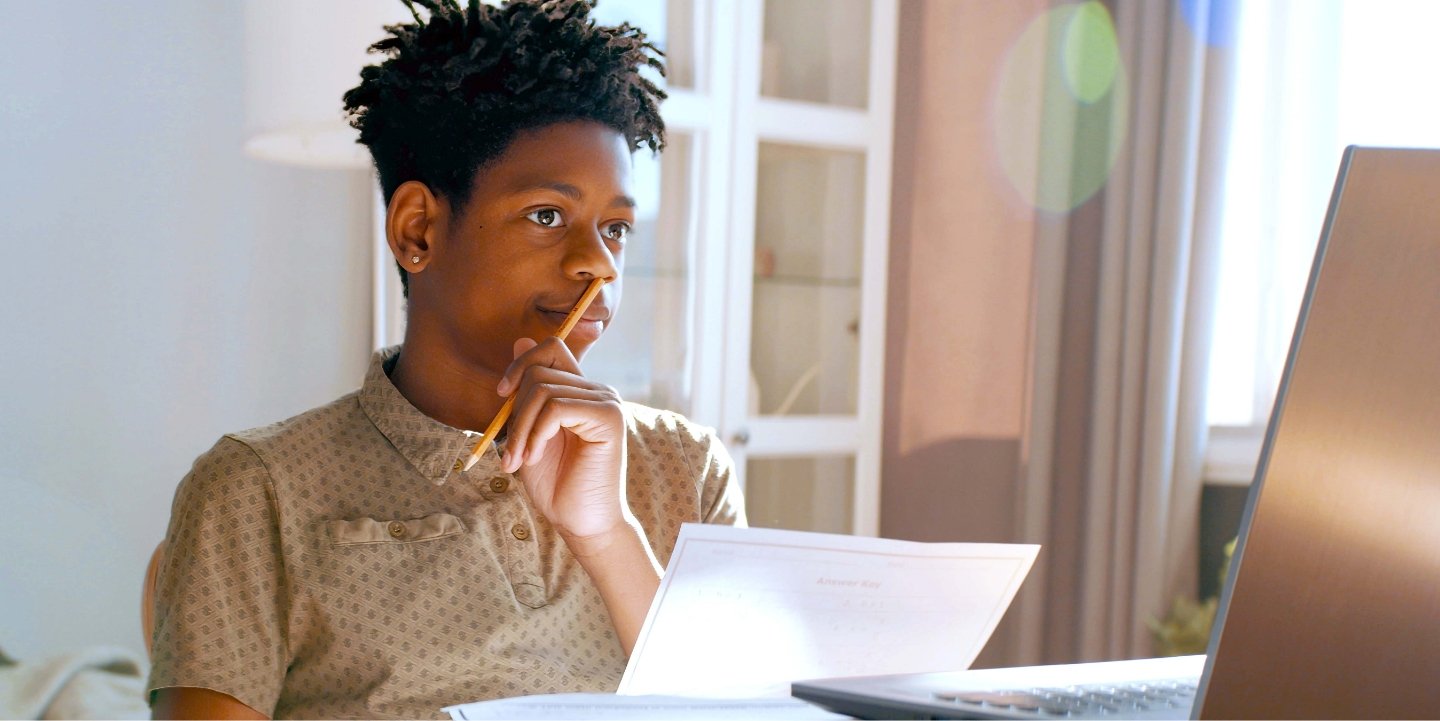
[624,570]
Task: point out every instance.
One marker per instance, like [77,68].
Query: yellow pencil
[504,414]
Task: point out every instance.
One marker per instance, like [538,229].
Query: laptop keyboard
[1083,701]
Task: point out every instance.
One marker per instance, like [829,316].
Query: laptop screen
[1333,609]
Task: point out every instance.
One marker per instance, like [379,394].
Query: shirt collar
[432,447]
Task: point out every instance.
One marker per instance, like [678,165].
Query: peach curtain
[1123,286]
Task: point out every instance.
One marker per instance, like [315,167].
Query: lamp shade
[300,58]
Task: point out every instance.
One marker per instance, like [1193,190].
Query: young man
[342,562]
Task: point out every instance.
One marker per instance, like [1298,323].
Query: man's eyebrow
[574,193]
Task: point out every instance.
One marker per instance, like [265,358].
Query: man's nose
[588,257]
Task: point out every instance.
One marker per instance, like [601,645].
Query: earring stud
[414,259]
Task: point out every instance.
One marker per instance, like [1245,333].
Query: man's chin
[586,332]
[581,343]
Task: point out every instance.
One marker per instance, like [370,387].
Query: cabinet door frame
[868,131]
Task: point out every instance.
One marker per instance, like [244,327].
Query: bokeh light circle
[1090,52]
[1061,107]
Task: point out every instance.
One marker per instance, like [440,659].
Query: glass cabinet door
[817,132]
[805,309]
[817,51]
[801,494]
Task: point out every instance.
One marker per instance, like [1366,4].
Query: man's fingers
[522,345]
[589,419]
[549,353]
[533,399]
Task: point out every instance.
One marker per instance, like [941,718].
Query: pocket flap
[369,530]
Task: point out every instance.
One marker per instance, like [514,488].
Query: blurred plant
[1186,629]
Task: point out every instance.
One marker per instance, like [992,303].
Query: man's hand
[567,444]
[566,441]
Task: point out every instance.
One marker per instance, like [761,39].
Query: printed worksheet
[610,707]
[743,612]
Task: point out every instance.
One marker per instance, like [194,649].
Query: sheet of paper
[742,612]
[639,708]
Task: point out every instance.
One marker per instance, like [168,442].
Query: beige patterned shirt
[336,565]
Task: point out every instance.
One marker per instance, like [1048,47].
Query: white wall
[160,290]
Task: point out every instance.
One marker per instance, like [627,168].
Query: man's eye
[548,217]
[617,231]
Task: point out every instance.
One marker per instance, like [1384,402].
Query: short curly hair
[459,85]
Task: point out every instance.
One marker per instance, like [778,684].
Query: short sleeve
[721,501]
[220,597]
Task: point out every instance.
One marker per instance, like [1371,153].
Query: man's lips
[595,313]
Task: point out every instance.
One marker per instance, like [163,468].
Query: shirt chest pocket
[370,531]
[380,583]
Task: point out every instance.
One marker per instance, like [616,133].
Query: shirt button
[499,485]
[520,531]
[459,465]
[397,529]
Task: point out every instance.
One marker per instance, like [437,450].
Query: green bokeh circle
[1061,107]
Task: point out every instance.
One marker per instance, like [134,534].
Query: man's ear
[414,222]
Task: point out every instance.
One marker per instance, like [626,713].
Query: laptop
[1332,605]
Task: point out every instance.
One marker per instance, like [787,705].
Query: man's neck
[438,381]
